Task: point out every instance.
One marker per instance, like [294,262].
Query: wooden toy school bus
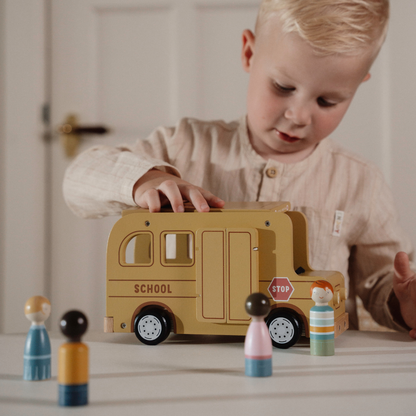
[191,272]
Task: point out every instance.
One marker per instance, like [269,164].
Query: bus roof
[280,206]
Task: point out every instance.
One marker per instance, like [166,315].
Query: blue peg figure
[258,345]
[73,361]
[37,353]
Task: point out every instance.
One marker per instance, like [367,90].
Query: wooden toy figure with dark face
[321,319]
[258,345]
[73,361]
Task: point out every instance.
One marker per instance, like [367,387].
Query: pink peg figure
[37,352]
[321,319]
[258,345]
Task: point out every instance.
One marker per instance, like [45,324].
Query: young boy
[305,62]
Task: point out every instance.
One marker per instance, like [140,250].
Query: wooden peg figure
[73,361]
[37,353]
[321,319]
[258,345]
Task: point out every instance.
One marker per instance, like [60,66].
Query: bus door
[227,272]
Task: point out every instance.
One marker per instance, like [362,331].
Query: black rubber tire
[284,328]
[152,326]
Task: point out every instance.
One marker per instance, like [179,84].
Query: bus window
[139,250]
[177,249]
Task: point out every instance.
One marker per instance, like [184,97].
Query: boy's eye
[283,89]
[324,103]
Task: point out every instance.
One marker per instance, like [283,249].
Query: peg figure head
[37,309]
[73,325]
[257,304]
[321,292]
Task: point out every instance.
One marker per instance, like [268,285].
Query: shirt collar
[296,167]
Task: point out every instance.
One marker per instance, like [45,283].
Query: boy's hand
[157,188]
[404,286]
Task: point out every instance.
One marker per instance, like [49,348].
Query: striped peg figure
[321,319]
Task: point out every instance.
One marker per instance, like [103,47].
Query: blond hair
[331,26]
[34,304]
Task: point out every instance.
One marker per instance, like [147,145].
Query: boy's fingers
[171,190]
[195,196]
[402,267]
[203,200]
[162,190]
[152,199]
[214,201]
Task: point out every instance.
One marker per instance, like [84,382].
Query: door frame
[23,158]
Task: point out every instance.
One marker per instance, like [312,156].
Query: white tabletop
[371,373]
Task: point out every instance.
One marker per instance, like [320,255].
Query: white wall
[2,159]
[22,160]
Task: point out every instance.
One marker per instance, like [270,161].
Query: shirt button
[271,172]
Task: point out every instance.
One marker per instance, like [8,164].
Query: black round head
[73,325]
[257,304]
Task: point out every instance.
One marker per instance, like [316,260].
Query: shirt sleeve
[100,181]
[372,257]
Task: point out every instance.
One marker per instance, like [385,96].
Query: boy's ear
[366,78]
[247,51]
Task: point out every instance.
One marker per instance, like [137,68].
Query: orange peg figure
[73,361]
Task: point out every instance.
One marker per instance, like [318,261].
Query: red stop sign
[281,289]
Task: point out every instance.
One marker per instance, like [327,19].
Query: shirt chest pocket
[328,231]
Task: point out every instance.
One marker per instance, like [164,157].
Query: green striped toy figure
[321,319]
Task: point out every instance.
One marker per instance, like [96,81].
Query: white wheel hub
[281,330]
[149,327]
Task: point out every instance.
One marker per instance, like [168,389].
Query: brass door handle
[71,133]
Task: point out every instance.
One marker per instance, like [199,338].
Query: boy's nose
[298,114]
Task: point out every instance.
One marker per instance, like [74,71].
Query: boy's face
[295,98]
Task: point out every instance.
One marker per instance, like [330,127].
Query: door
[211,272]
[132,65]
[243,271]
[227,272]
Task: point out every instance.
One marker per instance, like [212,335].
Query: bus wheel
[152,326]
[284,329]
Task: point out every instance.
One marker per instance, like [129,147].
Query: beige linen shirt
[218,156]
